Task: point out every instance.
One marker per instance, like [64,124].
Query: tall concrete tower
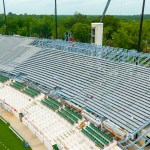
[97,33]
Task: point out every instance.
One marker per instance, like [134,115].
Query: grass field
[8,140]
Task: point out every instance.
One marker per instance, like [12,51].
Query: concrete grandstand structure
[106,88]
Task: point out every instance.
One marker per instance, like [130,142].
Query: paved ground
[35,143]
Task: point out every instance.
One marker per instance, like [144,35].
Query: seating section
[64,115]
[70,115]
[51,103]
[13,98]
[98,143]
[31,92]
[72,112]
[54,101]
[18,85]
[96,135]
[53,129]
[3,79]
[102,133]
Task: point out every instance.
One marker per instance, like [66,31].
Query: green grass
[8,140]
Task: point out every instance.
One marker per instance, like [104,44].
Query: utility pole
[5,17]
[56,23]
[141,27]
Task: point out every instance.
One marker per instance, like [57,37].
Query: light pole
[5,17]
[105,10]
[141,26]
[56,24]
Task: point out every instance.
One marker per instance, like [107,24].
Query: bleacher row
[3,79]
[18,85]
[116,90]
[96,135]
[32,92]
[51,103]
[70,115]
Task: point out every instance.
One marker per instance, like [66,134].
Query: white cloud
[93,7]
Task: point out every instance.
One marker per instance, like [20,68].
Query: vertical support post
[141,26]
[56,24]
[5,17]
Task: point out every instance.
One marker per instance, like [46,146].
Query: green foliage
[119,31]
[81,32]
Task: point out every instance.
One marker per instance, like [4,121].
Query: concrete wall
[98,34]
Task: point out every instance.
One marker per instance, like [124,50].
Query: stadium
[67,95]
[77,96]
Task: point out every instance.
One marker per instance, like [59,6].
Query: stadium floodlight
[141,26]
[56,24]
[5,17]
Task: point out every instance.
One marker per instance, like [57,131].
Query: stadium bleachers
[104,81]
[111,89]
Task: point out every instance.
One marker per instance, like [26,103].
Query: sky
[69,7]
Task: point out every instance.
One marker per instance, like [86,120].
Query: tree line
[119,31]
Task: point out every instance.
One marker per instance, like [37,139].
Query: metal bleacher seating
[116,90]
[18,85]
[110,83]
[31,92]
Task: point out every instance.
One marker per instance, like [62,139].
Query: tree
[81,32]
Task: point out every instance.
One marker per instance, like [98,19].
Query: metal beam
[139,138]
[114,54]
[141,148]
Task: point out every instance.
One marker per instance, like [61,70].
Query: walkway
[35,143]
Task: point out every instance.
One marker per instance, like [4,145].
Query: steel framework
[106,52]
